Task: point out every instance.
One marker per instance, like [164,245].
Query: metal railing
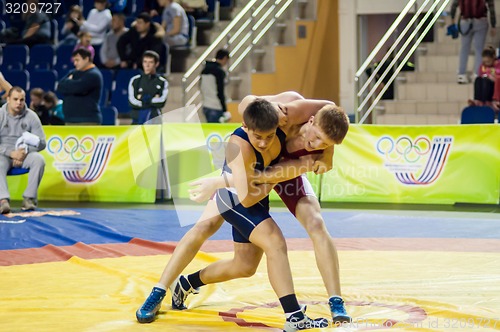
[369,93]
[244,32]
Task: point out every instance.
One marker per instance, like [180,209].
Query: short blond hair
[333,121]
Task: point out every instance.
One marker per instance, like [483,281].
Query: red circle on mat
[415,314]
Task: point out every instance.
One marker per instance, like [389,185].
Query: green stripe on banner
[110,164]
[416,164]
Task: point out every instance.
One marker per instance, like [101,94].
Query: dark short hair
[145,17]
[221,54]
[15,88]
[260,115]
[50,97]
[83,52]
[151,54]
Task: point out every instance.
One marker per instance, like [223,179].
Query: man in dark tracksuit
[147,92]
[212,88]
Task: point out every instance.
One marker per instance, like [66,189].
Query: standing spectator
[86,43]
[36,28]
[109,52]
[175,22]
[147,92]
[82,90]
[98,22]
[21,137]
[197,8]
[144,35]
[212,88]
[36,98]
[473,26]
[72,25]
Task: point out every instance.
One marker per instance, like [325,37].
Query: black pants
[483,89]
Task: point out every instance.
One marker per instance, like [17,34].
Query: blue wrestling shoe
[180,289]
[298,320]
[339,314]
[147,313]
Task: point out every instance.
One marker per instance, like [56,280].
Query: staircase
[430,94]
[251,42]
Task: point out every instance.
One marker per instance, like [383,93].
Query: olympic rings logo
[215,142]
[404,148]
[71,149]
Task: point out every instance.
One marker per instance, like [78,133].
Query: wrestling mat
[89,269]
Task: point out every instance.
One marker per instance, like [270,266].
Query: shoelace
[337,306]
[151,302]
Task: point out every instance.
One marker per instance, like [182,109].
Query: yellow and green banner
[195,151]
[388,164]
[97,164]
[416,164]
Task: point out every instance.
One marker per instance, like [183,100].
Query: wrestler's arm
[284,97]
[300,111]
[241,158]
[203,189]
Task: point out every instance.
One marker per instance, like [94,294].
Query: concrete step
[428,77]
[442,48]
[174,94]
[441,63]
[419,107]
[435,92]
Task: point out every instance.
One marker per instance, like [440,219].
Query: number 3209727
[24,8]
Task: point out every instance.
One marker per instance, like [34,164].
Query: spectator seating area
[52,61]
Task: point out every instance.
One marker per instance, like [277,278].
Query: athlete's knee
[207,227]
[315,224]
[247,270]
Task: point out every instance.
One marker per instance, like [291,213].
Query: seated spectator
[19,147]
[142,36]
[98,22]
[109,52]
[36,28]
[148,91]
[72,25]
[175,22]
[36,98]
[152,7]
[85,42]
[81,90]
[54,108]
[484,84]
[196,8]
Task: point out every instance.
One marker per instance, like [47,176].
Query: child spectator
[36,97]
[54,108]
[85,42]
[72,25]
[484,84]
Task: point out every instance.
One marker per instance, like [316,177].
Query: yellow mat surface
[384,290]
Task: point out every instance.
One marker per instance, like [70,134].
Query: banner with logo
[426,164]
[195,151]
[111,164]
